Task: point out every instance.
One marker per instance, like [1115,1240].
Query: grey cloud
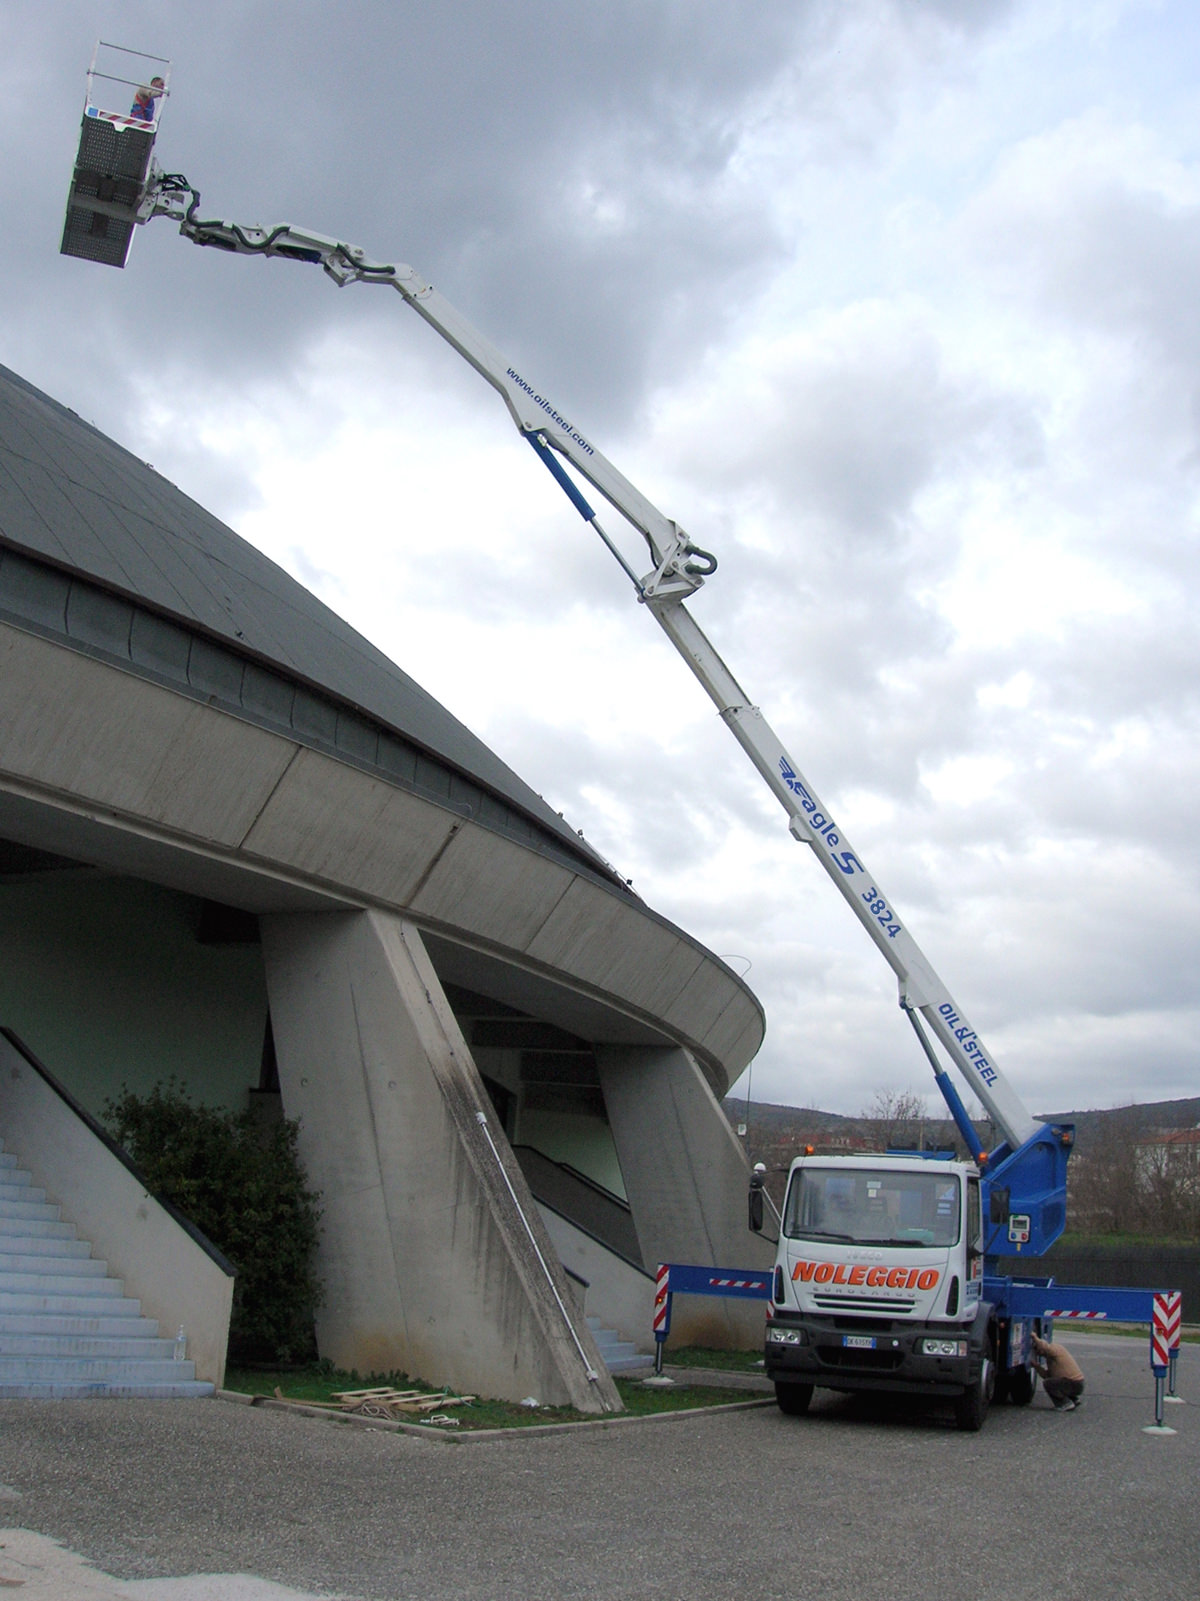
[445,135]
[842,451]
[1098,248]
[1124,262]
[459,137]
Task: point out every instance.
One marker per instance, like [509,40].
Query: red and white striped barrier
[1091,1316]
[662,1288]
[1166,1329]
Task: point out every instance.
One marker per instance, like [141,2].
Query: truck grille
[850,1303]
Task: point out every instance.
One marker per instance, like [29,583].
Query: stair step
[44,1247]
[617,1350]
[15,1263]
[36,1228]
[637,1363]
[619,1356]
[89,1370]
[19,1302]
[41,1248]
[602,1336]
[40,1209]
[102,1347]
[117,1389]
[48,1282]
[17,1186]
[74,1324]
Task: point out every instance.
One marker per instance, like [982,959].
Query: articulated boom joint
[171,195]
[681,570]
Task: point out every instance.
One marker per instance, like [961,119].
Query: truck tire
[971,1407]
[1022,1382]
[793,1399]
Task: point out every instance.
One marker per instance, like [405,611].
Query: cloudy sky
[891,303]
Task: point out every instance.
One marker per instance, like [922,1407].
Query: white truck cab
[878,1282]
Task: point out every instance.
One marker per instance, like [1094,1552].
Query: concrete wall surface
[112,769]
[162,1266]
[106,981]
[687,1179]
[435,1258]
[617,1293]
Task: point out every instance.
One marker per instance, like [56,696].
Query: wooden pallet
[382,1402]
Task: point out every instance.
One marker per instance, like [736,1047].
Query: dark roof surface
[71,496]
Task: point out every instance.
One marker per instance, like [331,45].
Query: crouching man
[1062,1377]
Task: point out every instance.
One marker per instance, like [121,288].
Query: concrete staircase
[620,1356]
[66,1328]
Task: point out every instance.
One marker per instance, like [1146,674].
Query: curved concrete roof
[72,497]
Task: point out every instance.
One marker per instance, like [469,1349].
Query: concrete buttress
[435,1259]
[687,1179]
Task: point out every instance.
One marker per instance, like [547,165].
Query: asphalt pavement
[858,1499]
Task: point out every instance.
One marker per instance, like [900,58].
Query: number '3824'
[881,911]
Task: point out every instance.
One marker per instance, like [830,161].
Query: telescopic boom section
[678,569]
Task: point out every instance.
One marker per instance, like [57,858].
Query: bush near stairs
[242,1186]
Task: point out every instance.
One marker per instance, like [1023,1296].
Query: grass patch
[697,1356]
[320,1382]
[1071,1240]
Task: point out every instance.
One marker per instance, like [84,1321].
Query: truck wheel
[793,1398]
[971,1407]
[1021,1384]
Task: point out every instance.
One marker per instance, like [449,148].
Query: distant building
[1170,1153]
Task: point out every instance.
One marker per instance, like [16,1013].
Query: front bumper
[896,1363]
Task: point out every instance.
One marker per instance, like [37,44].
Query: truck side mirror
[998,1205]
[756,1202]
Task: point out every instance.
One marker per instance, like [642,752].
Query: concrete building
[240,847]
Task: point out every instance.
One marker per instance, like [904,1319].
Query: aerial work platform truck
[887,1275]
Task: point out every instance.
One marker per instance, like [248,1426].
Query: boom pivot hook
[680,571]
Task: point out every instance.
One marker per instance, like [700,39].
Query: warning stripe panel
[1166,1330]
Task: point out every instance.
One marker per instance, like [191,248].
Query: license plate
[859,1342]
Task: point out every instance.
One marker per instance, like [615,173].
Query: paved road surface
[854,1501]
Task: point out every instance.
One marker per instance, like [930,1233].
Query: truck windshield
[873,1208]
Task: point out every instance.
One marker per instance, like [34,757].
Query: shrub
[242,1185]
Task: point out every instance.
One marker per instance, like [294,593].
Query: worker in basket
[143,108]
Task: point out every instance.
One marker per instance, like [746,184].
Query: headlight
[777,1335]
[944,1347]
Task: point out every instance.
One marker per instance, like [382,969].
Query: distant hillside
[765,1116]
[1142,1115]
